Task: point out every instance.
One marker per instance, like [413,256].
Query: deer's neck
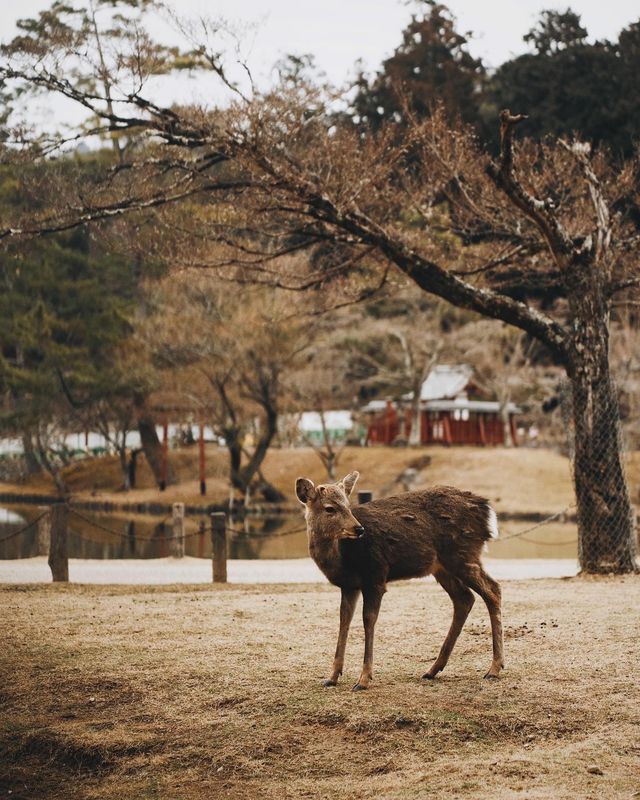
[325,551]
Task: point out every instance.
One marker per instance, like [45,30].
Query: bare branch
[540,212]
[581,151]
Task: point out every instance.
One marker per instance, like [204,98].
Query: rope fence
[201,531]
[541,524]
[53,528]
[24,528]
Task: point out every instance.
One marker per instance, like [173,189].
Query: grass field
[212,692]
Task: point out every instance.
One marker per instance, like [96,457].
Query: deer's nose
[359,530]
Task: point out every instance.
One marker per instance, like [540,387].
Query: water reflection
[145,536]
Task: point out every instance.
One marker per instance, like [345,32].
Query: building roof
[462,404]
[446,381]
[375,405]
[445,390]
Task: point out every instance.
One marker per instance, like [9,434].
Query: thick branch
[437,281]
[621,285]
[581,150]
[540,212]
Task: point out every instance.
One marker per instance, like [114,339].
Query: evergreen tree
[432,66]
[568,86]
[65,311]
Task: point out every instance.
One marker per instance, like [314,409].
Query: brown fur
[439,531]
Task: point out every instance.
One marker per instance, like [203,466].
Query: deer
[439,531]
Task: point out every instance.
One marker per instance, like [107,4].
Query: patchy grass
[205,692]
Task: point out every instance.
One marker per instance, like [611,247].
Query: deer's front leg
[371,606]
[347,607]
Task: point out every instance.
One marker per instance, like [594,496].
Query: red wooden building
[448,415]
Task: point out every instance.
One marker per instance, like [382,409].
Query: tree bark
[233,441]
[30,458]
[414,436]
[51,467]
[606,519]
[505,399]
[124,468]
[151,445]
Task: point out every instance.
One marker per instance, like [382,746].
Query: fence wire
[24,528]
[201,531]
[607,527]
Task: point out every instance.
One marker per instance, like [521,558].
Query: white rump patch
[492,524]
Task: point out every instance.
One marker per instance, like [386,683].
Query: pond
[146,536]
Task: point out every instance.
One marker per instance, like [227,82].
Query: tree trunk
[51,467]
[241,477]
[152,447]
[124,468]
[506,421]
[606,519]
[330,464]
[233,439]
[30,458]
[415,435]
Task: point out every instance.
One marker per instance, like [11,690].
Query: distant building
[338,425]
[451,412]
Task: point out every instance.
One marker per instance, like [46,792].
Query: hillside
[515,480]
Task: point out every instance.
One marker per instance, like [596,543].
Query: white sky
[339,32]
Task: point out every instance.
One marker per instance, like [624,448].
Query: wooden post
[44,532]
[446,425]
[58,559]
[483,435]
[514,431]
[178,530]
[203,481]
[364,497]
[219,543]
[387,423]
[165,456]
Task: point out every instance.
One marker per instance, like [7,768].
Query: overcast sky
[339,32]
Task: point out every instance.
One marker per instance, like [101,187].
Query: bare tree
[502,365]
[227,357]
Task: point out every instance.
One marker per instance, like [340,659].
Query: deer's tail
[492,523]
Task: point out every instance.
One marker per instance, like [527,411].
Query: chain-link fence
[598,447]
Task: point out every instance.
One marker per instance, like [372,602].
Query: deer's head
[327,508]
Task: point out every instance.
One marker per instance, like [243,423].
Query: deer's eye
[330,509]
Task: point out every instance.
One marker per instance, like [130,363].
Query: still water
[146,536]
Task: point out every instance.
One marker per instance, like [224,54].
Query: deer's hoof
[429,676]
[329,682]
[359,688]
[491,677]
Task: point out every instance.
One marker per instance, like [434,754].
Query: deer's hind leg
[347,607]
[463,600]
[489,590]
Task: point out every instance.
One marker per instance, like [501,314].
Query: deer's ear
[349,481]
[305,490]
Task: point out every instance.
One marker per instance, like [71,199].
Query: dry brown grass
[215,692]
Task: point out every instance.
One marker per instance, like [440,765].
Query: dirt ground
[207,692]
